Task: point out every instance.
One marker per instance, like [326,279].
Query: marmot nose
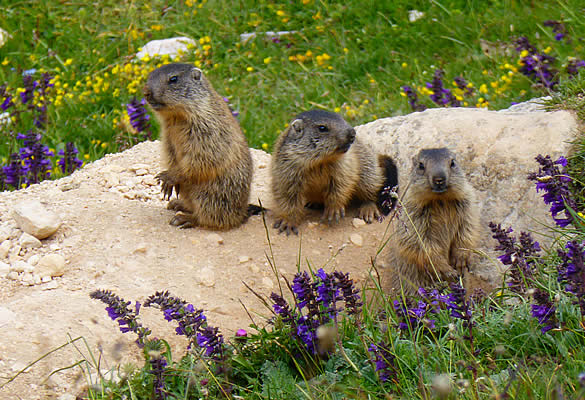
[439,180]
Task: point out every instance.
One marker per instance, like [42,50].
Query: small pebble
[358,222]
[356,239]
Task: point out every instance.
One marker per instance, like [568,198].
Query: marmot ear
[196,74]
[297,126]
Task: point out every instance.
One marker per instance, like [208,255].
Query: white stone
[46,279]
[358,222]
[254,268]
[206,276]
[20,266]
[37,279]
[27,278]
[6,316]
[51,265]
[54,247]
[243,259]
[29,241]
[51,285]
[140,248]
[356,239]
[214,238]
[13,275]
[244,37]
[4,234]
[34,259]
[33,218]
[267,283]
[5,248]
[171,46]
[4,269]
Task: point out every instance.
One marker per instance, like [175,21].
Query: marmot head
[440,170]
[178,88]
[319,134]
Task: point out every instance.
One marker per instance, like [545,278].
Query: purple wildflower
[190,320]
[412,316]
[520,257]
[241,333]
[158,369]
[211,340]
[69,162]
[544,310]
[282,308]
[462,84]
[535,65]
[119,311]
[36,157]
[457,304]
[15,172]
[139,117]
[413,99]
[553,180]
[441,96]
[557,27]
[384,361]
[572,271]
[349,293]
[29,86]
[327,292]
[302,288]
[7,101]
[319,297]
[573,67]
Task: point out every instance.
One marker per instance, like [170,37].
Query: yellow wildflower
[5,61]
[404,65]
[483,88]
[267,60]
[156,27]
[265,146]
[250,69]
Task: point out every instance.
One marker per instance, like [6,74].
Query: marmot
[205,153]
[439,224]
[319,160]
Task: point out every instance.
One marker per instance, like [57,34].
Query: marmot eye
[453,164]
[322,128]
[421,166]
[173,79]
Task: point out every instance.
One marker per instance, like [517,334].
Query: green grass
[372,51]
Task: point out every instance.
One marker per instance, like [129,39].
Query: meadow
[71,91]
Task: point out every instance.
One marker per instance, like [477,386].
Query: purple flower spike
[552,179]
[572,271]
[544,311]
[384,361]
[69,163]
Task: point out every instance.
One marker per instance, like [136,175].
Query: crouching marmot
[319,160]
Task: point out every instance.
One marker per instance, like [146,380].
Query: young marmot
[319,160]
[440,223]
[205,153]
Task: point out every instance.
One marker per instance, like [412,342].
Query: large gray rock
[33,218]
[496,149]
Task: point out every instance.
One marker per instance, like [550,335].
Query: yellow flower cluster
[351,112]
[301,57]
[323,60]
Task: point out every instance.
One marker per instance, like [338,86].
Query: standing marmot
[204,150]
[318,160]
[440,223]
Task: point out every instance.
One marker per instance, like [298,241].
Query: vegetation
[71,92]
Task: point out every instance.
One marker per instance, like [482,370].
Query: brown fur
[205,153]
[440,223]
[318,160]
